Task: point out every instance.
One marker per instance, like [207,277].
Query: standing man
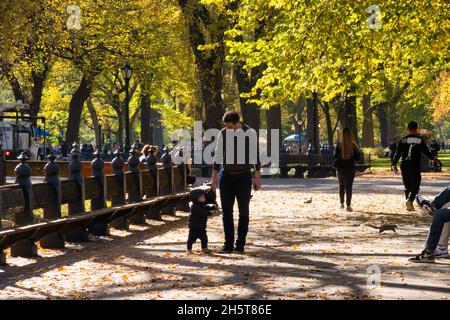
[236,178]
[410,149]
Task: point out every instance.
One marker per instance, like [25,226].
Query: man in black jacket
[235,159]
[409,150]
[198,218]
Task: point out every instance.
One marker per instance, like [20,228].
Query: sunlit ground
[295,251]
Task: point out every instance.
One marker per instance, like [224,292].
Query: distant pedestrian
[144,153]
[63,149]
[409,150]
[392,149]
[345,156]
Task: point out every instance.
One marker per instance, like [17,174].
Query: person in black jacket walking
[409,150]
[198,218]
[346,154]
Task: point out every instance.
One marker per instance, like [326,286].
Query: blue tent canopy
[41,132]
[293,138]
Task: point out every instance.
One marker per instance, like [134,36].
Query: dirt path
[296,251]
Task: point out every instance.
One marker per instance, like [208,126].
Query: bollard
[135,196]
[79,234]
[97,165]
[25,248]
[55,240]
[2,167]
[118,200]
[151,160]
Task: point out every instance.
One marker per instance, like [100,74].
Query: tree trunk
[349,118]
[16,88]
[326,111]
[246,82]
[392,120]
[38,87]
[211,86]
[205,27]
[273,115]
[382,119]
[367,131]
[146,118]
[157,131]
[75,109]
[94,116]
[312,122]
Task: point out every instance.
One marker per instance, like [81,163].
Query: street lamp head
[100,122]
[127,71]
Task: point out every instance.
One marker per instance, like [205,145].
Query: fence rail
[135,191]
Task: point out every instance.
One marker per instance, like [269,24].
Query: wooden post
[135,196]
[55,240]
[25,248]
[117,200]
[97,165]
[80,234]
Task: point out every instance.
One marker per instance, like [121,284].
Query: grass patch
[385,163]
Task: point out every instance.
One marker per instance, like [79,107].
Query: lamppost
[127,72]
[100,134]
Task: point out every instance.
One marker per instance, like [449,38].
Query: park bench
[315,165]
[134,194]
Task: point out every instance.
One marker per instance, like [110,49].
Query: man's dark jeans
[237,187]
[440,217]
[411,179]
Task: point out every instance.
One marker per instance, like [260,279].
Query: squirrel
[384,227]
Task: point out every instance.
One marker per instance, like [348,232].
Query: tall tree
[206,25]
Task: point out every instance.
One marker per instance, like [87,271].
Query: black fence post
[135,196]
[151,160]
[2,182]
[55,240]
[2,167]
[311,154]
[167,163]
[118,200]
[79,234]
[97,165]
[25,248]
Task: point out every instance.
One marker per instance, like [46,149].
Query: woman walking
[346,154]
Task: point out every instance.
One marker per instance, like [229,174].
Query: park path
[296,250]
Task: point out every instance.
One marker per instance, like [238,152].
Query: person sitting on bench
[438,208]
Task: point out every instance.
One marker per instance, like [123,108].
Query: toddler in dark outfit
[198,218]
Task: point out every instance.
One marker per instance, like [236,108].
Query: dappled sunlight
[296,250]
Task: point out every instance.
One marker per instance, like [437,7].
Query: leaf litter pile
[300,246]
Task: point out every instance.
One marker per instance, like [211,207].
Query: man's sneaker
[226,249]
[239,249]
[425,256]
[349,209]
[189,251]
[409,205]
[341,206]
[425,205]
[441,252]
